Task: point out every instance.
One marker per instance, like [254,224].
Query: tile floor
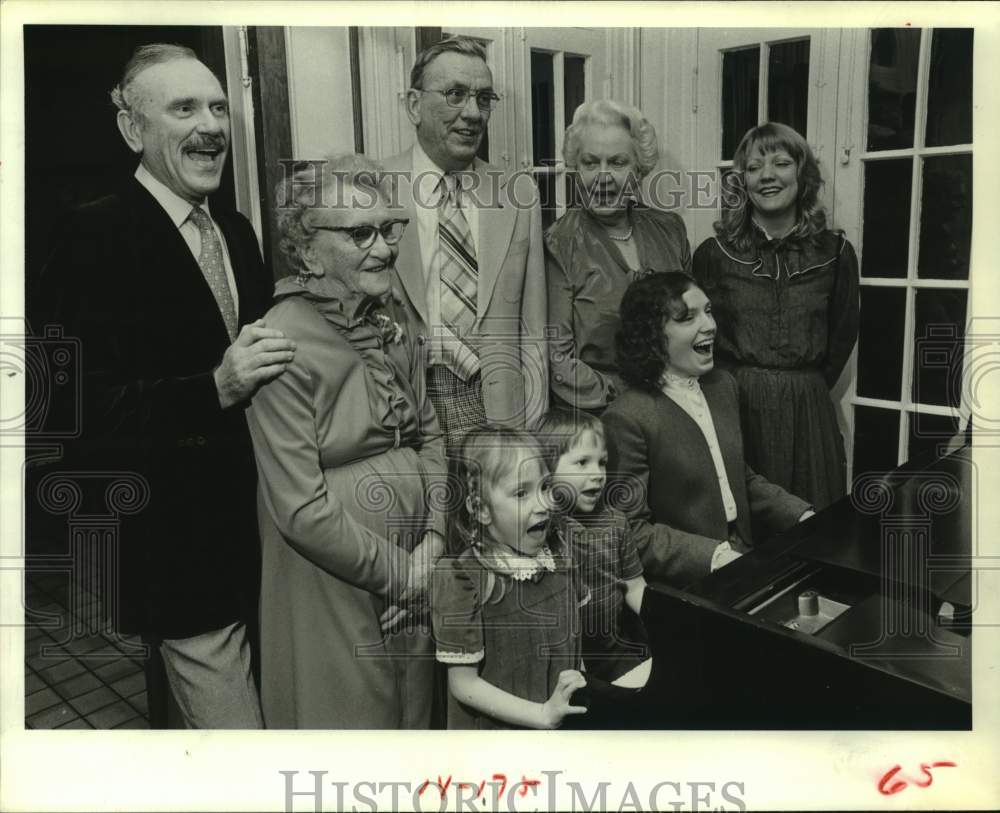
[89,681]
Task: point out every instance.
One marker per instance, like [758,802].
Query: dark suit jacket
[665,481]
[124,283]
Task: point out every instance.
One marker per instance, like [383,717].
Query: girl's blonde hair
[736,225]
[482,460]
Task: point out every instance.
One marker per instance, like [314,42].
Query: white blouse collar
[672,381]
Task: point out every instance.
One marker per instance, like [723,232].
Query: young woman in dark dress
[785,292]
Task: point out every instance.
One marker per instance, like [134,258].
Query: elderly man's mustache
[215,143]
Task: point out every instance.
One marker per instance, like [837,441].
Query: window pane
[892,87]
[740,86]
[574,85]
[928,433]
[939,330]
[949,93]
[788,84]
[543,140]
[946,217]
[876,439]
[547,197]
[880,342]
[886,233]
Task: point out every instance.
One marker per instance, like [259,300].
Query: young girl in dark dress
[505,605]
[785,292]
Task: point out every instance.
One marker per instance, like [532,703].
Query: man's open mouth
[206,155]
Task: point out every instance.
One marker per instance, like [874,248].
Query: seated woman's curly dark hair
[646,306]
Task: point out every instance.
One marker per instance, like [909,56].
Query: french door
[904,197]
[749,76]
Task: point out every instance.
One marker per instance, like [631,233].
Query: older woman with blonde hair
[349,452]
[596,249]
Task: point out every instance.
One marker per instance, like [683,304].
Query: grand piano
[859,618]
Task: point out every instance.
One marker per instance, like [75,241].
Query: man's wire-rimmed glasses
[486,100]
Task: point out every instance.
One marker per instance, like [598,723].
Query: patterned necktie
[214,269]
[459,274]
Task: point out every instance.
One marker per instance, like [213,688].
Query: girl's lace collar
[518,566]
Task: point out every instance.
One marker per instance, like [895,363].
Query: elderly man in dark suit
[165,297]
[471,262]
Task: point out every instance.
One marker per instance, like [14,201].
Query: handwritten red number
[525,783]
[528,783]
[926,770]
[896,786]
[888,789]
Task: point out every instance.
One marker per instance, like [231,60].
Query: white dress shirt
[426,196]
[686,393]
[178,210]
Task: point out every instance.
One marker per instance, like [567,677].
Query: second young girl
[505,604]
[614,641]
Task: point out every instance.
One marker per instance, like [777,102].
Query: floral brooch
[391,331]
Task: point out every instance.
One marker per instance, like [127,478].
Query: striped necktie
[212,266]
[459,274]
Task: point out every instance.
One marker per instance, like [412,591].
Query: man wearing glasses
[473,266]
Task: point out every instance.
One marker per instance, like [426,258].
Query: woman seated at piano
[674,440]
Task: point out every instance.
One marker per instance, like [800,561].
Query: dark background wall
[73,150]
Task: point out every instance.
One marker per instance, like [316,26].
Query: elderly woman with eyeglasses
[595,250]
[349,456]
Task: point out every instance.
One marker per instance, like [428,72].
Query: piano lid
[912,525]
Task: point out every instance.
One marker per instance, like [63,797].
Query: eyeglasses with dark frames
[458,96]
[364,236]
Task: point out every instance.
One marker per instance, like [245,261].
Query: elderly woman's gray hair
[316,184]
[611,113]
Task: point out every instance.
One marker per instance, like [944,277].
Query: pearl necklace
[624,238]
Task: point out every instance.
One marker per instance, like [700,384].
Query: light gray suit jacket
[510,331]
